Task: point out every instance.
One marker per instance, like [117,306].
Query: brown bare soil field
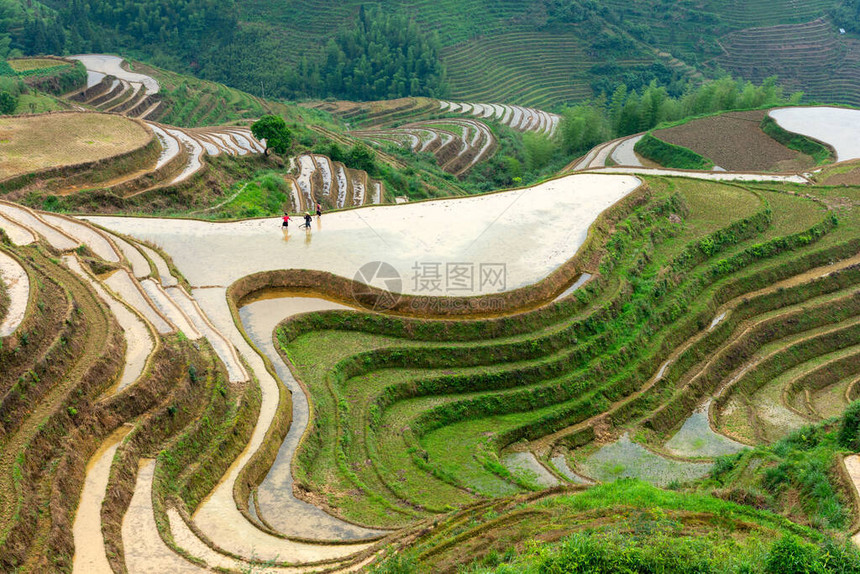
[28,144]
[842,174]
[735,142]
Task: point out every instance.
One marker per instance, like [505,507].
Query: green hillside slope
[544,53]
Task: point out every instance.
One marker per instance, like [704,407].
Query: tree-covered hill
[544,53]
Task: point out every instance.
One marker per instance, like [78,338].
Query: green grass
[37,104]
[819,152]
[410,416]
[265,195]
[626,526]
[671,155]
[460,457]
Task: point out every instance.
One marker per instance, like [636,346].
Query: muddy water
[217,516]
[18,234]
[580,281]
[526,464]
[86,235]
[223,348]
[696,438]
[139,264]
[17,285]
[167,280]
[717,320]
[138,341]
[111,65]
[24,217]
[835,126]
[144,549]
[277,505]
[170,147]
[560,462]
[90,554]
[626,458]
[623,153]
[527,232]
[709,175]
[195,158]
[123,285]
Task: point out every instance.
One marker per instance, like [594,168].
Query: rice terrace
[419,287]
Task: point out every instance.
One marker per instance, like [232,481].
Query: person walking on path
[286,222]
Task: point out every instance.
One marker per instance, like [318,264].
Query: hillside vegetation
[542,53]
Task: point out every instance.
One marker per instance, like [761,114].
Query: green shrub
[671,155]
[849,437]
[790,555]
[8,103]
[819,152]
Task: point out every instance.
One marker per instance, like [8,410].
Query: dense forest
[381,56]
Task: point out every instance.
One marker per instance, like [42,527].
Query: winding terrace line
[544,445]
[138,338]
[97,333]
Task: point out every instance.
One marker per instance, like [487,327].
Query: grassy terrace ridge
[671,155]
[592,530]
[387,410]
[429,419]
[30,64]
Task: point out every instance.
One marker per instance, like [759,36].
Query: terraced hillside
[331,184]
[186,395]
[517,65]
[458,145]
[544,393]
[136,90]
[809,57]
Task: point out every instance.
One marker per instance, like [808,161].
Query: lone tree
[274,130]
